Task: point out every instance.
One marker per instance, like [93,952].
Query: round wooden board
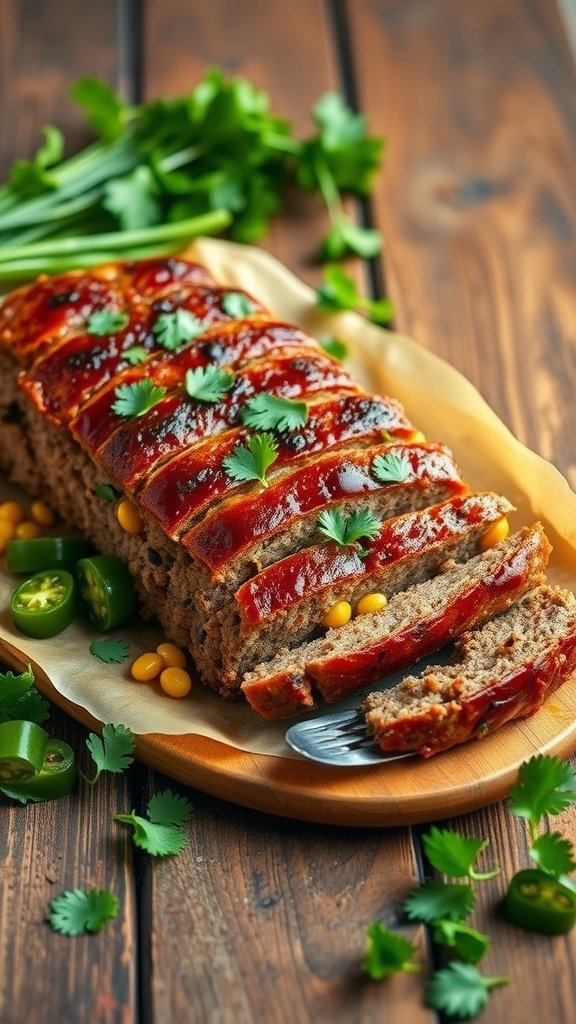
[401,793]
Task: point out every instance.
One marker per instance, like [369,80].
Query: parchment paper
[438,400]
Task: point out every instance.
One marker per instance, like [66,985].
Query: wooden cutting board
[401,793]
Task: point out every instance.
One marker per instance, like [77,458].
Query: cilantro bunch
[162,172]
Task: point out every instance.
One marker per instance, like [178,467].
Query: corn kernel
[497,532]
[171,655]
[416,437]
[129,517]
[147,667]
[11,511]
[175,682]
[371,603]
[7,531]
[338,615]
[27,530]
[41,513]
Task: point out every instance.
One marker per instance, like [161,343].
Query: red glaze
[178,422]
[518,694]
[183,487]
[238,523]
[309,572]
[231,343]
[281,697]
[478,601]
[152,277]
[342,674]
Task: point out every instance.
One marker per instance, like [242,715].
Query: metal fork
[339,739]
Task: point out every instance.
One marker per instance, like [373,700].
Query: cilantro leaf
[469,944]
[545,786]
[460,991]
[30,178]
[135,355]
[347,530]
[251,462]
[161,833]
[454,854]
[391,468]
[387,952]
[110,650]
[267,412]
[335,348]
[133,199]
[173,330]
[138,398]
[348,239]
[82,910]
[208,383]
[435,900]
[111,753]
[339,292]
[106,492]
[106,321]
[553,854]
[20,700]
[351,157]
[107,114]
[169,808]
[237,305]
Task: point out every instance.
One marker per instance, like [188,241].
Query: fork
[339,740]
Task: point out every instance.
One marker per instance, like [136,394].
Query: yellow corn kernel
[416,437]
[41,513]
[147,667]
[338,615]
[7,531]
[129,517]
[11,511]
[497,532]
[175,682]
[27,530]
[171,655]
[371,603]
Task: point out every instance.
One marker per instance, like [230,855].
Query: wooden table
[263,919]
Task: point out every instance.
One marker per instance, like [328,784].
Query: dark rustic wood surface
[262,919]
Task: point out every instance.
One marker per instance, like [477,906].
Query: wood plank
[283,907]
[478,213]
[73,842]
[476,202]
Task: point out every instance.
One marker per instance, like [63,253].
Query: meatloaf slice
[290,597]
[416,623]
[504,670]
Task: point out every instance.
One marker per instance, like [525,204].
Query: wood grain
[47,848]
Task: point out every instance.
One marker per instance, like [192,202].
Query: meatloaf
[99,375]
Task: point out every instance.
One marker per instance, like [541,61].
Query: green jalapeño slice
[539,903]
[56,777]
[107,590]
[45,604]
[22,750]
[40,553]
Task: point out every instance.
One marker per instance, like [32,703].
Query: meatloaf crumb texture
[240,573]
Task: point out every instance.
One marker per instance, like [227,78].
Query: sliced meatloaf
[291,597]
[415,623]
[230,558]
[504,670]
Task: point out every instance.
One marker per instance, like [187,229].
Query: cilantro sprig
[107,321]
[20,700]
[208,383]
[339,292]
[82,910]
[106,492]
[253,460]
[161,832]
[387,953]
[434,901]
[455,855]
[335,347]
[173,330]
[138,398]
[110,650]
[391,468]
[267,412]
[136,355]
[237,305]
[459,990]
[360,524]
[112,752]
